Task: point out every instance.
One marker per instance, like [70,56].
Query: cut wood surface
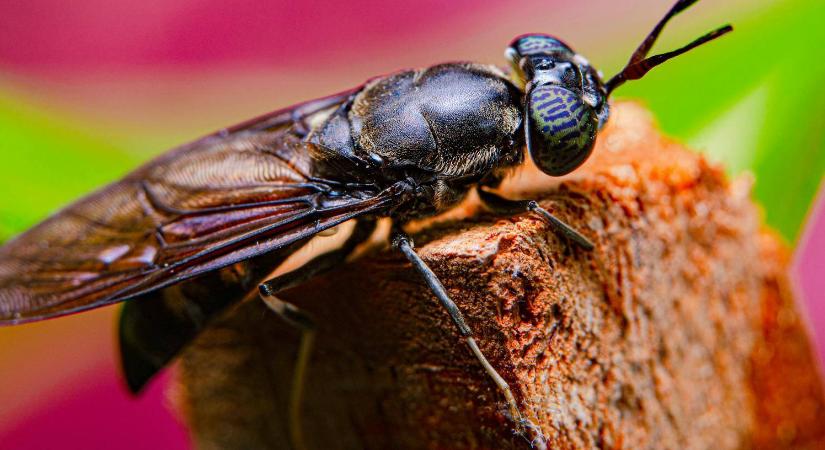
[679,331]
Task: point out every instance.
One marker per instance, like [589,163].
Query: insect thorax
[444,127]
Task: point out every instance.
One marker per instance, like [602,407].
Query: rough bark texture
[678,332]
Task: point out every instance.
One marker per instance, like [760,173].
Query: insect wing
[225,198]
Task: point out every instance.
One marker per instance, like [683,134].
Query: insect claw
[530,432]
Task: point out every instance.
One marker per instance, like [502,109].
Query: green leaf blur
[754,100]
[47,163]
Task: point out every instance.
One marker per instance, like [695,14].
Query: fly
[200,227]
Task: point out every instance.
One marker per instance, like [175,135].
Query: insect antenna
[638,65]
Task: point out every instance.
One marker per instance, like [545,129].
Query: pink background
[173,70]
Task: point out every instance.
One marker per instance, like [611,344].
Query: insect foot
[683,291]
[533,434]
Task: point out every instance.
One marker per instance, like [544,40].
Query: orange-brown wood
[678,331]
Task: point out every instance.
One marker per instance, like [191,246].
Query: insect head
[565,102]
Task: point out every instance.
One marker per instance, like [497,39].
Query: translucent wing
[228,197]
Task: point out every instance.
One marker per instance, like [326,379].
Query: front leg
[502,205]
[523,425]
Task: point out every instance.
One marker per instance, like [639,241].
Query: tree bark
[679,331]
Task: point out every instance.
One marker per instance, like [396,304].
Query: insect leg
[302,320]
[403,243]
[503,205]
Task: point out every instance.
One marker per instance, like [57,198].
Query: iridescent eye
[561,129]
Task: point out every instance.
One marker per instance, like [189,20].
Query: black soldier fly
[195,230]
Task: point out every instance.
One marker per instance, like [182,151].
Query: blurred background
[90,89]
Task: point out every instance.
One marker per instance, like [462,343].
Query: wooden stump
[678,332]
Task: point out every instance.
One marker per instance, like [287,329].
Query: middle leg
[523,425]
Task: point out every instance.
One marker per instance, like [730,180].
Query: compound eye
[561,129]
[538,44]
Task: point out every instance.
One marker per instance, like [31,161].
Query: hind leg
[301,320]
